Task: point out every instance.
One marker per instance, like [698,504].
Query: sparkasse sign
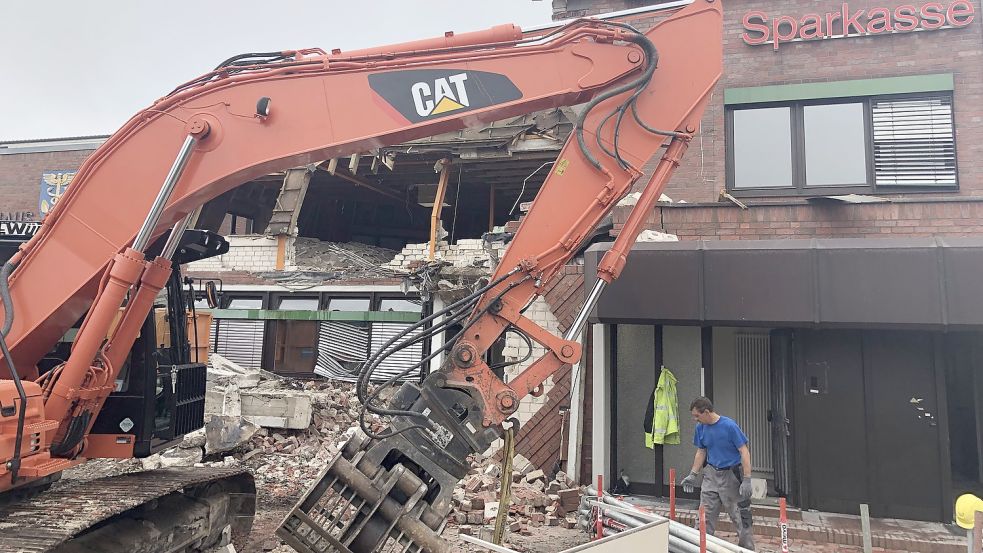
[761,28]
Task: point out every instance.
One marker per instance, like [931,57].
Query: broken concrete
[275,409]
[225,433]
[235,391]
[175,457]
[222,371]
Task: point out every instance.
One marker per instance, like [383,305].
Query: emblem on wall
[53,186]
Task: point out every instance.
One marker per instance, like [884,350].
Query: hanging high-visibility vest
[664,427]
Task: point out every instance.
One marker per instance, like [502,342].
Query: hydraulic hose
[13,465]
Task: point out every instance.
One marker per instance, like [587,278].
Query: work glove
[689,483]
[745,490]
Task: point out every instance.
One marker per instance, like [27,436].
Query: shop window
[401,304]
[298,304]
[349,304]
[245,303]
[863,145]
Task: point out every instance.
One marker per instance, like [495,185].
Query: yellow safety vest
[665,421]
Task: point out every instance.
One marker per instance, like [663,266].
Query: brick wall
[247,252]
[20,176]
[957,51]
[541,437]
[803,220]
[463,253]
[515,349]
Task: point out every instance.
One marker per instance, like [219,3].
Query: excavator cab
[159,393]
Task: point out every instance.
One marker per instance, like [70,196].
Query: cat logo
[440,99]
[419,95]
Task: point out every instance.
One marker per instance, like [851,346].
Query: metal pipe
[577,327]
[637,518]
[153,217]
[713,543]
[174,240]
[679,545]
[625,519]
[692,535]
[676,543]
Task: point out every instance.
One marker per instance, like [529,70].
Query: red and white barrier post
[672,494]
[599,525]
[703,529]
[783,524]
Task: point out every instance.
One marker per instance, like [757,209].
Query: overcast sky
[76,68]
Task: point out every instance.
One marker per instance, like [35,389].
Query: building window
[914,142]
[349,304]
[245,303]
[813,147]
[298,304]
[835,144]
[400,304]
[762,148]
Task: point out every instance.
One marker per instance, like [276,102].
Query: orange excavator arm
[644,95]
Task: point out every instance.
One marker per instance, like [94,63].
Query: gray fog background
[78,68]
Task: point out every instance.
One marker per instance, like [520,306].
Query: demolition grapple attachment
[393,494]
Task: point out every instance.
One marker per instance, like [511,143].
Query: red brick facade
[957,51]
[942,218]
[701,178]
[20,177]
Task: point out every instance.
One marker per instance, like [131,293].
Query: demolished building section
[347,236]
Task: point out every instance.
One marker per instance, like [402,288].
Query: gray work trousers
[721,488]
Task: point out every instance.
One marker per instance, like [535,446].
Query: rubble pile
[348,258]
[536,499]
[285,431]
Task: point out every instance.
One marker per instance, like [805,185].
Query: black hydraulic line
[447,345]
[367,367]
[525,337]
[651,129]
[652,56]
[13,465]
[73,435]
[250,56]
[397,412]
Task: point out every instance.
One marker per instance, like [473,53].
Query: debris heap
[285,431]
[537,500]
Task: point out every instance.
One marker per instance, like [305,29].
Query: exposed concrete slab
[276,409]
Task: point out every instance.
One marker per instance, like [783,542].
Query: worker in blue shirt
[723,457]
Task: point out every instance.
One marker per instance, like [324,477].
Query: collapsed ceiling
[384,198]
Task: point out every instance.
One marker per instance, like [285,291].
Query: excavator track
[200,502]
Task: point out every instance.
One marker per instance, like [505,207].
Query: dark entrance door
[829,421]
[780,413]
[903,425]
[867,422]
